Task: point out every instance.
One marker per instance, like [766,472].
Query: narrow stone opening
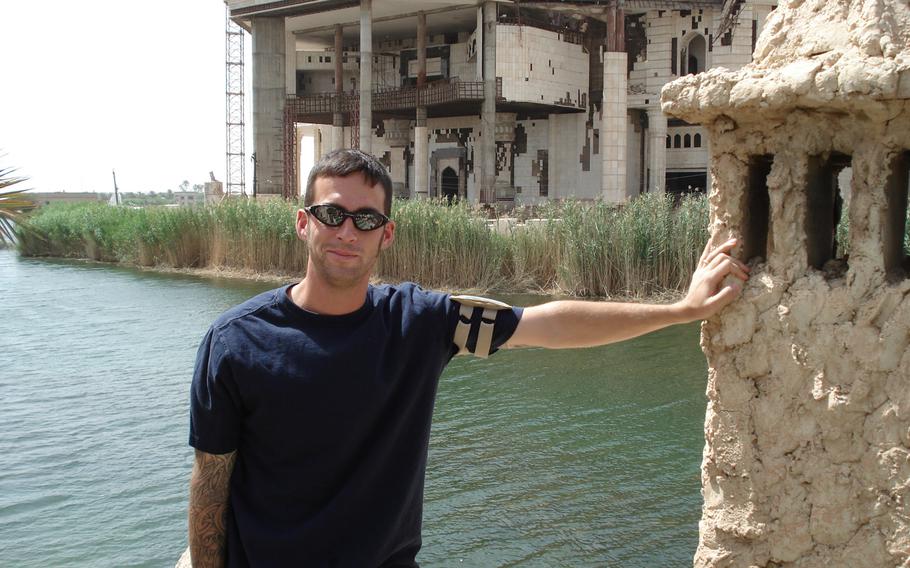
[896,244]
[757,213]
[826,219]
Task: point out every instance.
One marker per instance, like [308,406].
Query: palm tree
[13,205]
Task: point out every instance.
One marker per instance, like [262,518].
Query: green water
[537,458]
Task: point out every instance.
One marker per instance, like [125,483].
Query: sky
[99,85]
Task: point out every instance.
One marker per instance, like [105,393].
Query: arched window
[677,141]
[687,141]
[697,141]
[669,141]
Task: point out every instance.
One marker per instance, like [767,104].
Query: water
[538,458]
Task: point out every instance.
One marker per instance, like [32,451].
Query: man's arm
[208,507]
[565,324]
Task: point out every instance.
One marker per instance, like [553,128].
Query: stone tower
[807,455]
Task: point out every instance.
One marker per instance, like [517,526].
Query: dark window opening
[669,141]
[681,183]
[449,185]
[754,34]
[896,235]
[687,141]
[727,39]
[757,211]
[696,141]
[677,141]
[692,58]
[673,56]
[826,221]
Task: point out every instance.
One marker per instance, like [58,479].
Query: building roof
[836,55]
[396,18]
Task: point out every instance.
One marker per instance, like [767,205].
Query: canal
[537,458]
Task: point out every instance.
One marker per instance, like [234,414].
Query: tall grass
[645,247]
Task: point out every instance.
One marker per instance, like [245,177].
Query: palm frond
[13,205]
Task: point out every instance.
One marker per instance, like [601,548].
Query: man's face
[344,256]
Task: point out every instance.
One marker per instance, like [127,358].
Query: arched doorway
[695,56]
[449,184]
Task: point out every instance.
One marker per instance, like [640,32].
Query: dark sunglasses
[334,215]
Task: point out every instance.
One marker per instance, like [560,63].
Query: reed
[645,247]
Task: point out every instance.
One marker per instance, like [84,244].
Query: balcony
[442,98]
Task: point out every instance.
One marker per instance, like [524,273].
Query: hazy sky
[97,85]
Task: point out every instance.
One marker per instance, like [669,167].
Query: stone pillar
[421,155]
[421,149]
[613,127]
[268,104]
[478,35]
[421,49]
[299,133]
[657,159]
[709,182]
[337,115]
[553,157]
[366,76]
[488,114]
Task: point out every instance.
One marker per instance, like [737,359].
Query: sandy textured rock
[807,455]
[839,55]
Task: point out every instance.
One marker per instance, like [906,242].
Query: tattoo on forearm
[209,486]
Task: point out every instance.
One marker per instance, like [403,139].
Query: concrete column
[421,49]
[268,104]
[709,181]
[421,155]
[613,135]
[552,157]
[488,113]
[337,115]
[421,142]
[290,63]
[299,133]
[478,34]
[657,158]
[366,75]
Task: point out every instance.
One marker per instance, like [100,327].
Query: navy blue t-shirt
[330,418]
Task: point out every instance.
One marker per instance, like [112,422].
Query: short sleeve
[503,323]
[215,412]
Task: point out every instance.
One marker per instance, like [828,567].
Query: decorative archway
[693,56]
[449,184]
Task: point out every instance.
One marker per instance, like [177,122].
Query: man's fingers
[705,253]
[735,264]
[724,248]
[726,295]
[723,269]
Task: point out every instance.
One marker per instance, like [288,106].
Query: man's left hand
[710,289]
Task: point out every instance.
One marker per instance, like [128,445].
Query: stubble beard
[341,277]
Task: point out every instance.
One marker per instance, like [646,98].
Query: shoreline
[279,278]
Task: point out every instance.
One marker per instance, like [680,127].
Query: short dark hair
[347,161]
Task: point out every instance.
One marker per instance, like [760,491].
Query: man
[311,404]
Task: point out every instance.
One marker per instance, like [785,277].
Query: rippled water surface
[537,458]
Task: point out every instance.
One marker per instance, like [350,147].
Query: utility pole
[116,191]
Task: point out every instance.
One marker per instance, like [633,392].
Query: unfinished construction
[807,460]
[494,102]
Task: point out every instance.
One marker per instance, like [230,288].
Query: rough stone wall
[807,455]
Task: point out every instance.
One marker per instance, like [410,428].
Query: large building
[511,102]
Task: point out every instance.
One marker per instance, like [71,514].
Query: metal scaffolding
[235,167]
